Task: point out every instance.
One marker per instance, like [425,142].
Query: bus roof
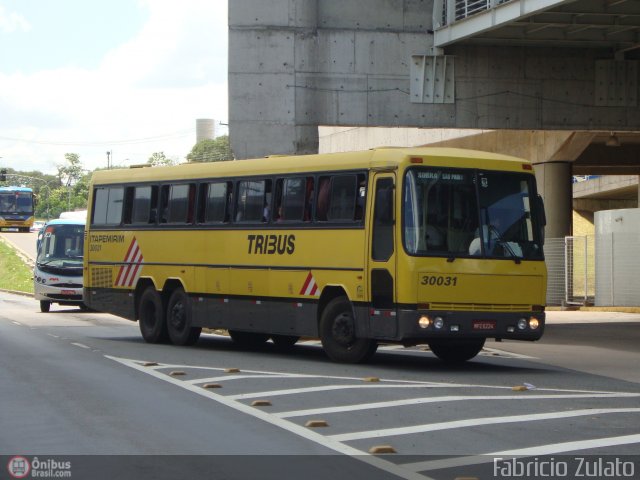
[78,214]
[15,189]
[377,158]
[67,221]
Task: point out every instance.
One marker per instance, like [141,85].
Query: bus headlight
[438,322]
[534,323]
[522,324]
[424,322]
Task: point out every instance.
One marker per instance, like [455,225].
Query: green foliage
[159,159]
[211,150]
[71,172]
[68,190]
[16,275]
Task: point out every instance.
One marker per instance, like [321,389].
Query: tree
[211,150]
[159,159]
[72,171]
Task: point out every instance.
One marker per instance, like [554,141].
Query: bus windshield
[471,213]
[16,202]
[62,246]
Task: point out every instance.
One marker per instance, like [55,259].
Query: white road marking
[326,388]
[81,345]
[491,352]
[550,449]
[446,398]
[197,381]
[475,422]
[283,424]
[412,383]
[16,323]
[52,335]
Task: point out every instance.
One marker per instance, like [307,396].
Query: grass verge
[14,273]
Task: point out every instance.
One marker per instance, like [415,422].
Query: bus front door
[382,262]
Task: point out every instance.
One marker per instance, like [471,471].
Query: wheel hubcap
[342,329]
[177,316]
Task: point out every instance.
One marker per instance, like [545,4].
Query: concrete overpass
[555,81]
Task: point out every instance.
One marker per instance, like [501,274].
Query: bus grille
[102,277]
[480,307]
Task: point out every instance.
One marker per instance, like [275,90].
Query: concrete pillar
[554,184]
[268,47]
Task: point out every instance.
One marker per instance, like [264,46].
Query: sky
[125,76]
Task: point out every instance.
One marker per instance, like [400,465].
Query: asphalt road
[24,242]
[84,388]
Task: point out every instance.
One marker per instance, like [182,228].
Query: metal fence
[601,270]
[447,12]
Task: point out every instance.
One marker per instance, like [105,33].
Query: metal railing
[447,12]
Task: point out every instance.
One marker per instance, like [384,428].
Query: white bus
[57,275]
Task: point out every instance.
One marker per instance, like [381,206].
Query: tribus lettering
[271,244]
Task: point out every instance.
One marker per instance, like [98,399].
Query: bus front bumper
[419,326]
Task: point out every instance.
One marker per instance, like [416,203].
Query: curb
[16,292]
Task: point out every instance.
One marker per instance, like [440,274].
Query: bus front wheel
[179,320]
[45,306]
[338,334]
[456,351]
[152,321]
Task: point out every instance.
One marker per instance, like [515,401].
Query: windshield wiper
[48,262]
[493,230]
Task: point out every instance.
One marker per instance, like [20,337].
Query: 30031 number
[439,281]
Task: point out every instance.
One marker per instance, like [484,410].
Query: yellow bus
[412,246]
[16,208]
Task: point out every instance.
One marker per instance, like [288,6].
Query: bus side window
[322,204]
[141,205]
[361,200]
[107,206]
[163,208]
[128,205]
[181,201]
[308,201]
[216,203]
[342,201]
[251,201]
[100,201]
[278,210]
[294,199]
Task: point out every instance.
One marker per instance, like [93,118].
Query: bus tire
[153,326]
[179,320]
[248,339]
[284,342]
[45,306]
[456,351]
[338,334]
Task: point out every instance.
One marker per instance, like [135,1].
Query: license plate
[484,324]
[68,292]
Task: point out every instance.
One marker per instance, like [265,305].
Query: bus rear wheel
[248,339]
[456,351]
[338,334]
[179,320]
[152,321]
